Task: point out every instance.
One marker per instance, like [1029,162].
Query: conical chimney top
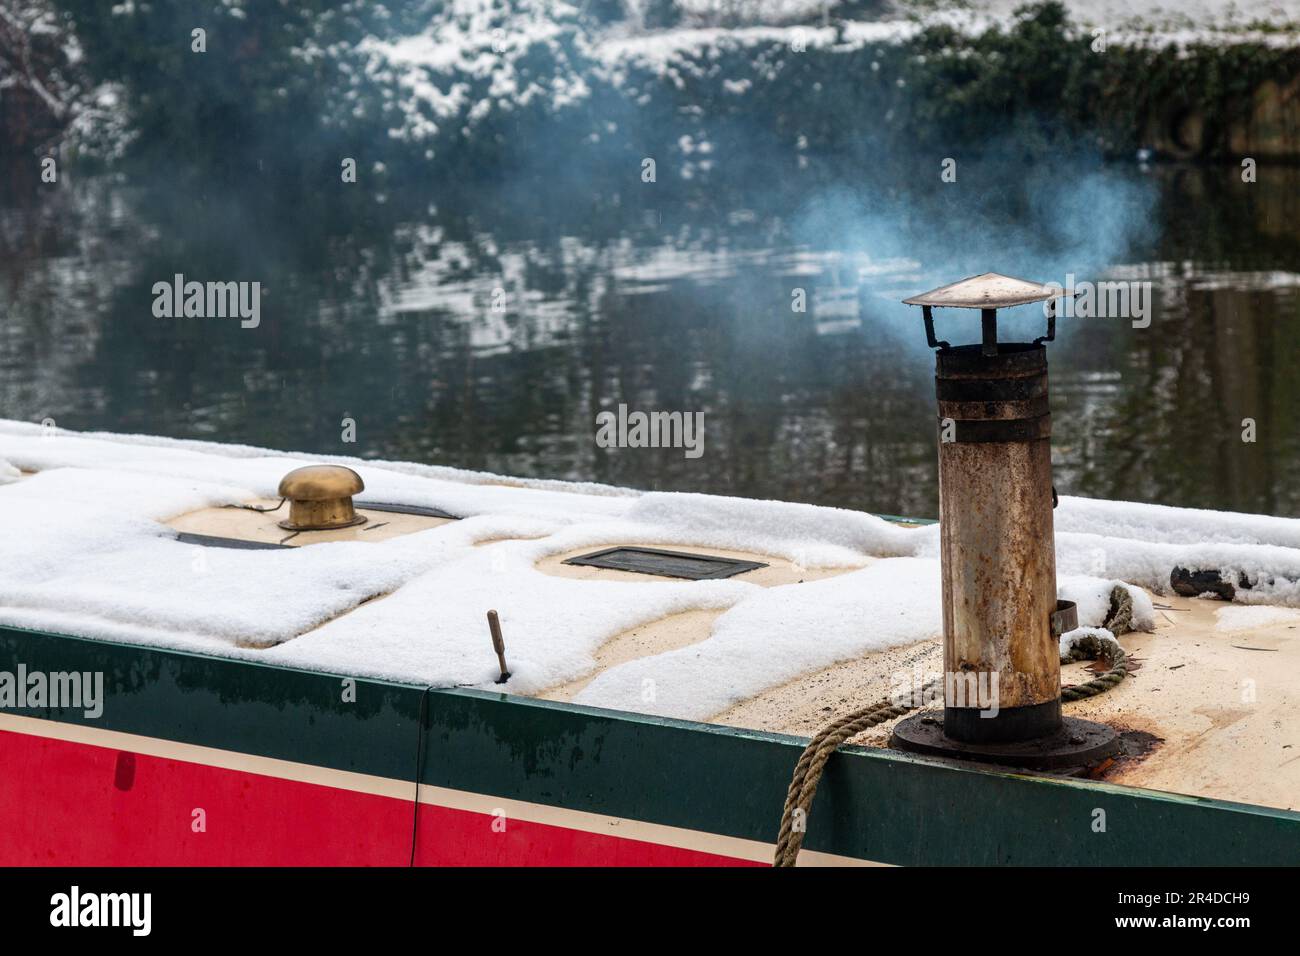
[987,291]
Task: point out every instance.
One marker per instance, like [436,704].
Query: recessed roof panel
[422,510]
[669,564]
[218,541]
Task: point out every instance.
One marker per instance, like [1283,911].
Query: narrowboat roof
[781,616]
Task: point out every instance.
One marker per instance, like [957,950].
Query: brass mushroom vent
[320,498]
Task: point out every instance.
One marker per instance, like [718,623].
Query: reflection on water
[490,342]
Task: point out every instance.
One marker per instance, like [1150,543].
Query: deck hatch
[668,564]
[217,541]
[420,510]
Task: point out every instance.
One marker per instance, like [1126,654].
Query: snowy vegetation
[475,88]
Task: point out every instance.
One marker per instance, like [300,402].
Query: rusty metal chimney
[1001,619]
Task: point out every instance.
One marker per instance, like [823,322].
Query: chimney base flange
[1075,744]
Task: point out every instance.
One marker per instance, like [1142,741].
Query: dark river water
[488,335]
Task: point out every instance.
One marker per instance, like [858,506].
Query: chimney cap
[988,291]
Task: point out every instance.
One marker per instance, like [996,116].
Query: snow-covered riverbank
[474,84]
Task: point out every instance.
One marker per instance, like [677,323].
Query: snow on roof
[84,551]
[1148,23]
[1204,15]
[1210,13]
[473,60]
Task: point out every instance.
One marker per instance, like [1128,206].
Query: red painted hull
[69,803]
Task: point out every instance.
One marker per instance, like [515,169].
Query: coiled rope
[808,771]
